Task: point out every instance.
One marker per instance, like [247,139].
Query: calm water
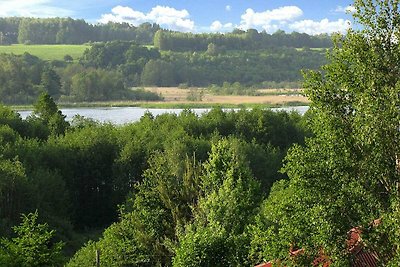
[121,115]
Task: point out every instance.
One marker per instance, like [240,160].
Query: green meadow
[46,52]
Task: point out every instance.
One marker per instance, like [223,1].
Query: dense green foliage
[141,65]
[112,54]
[20,78]
[106,71]
[237,40]
[70,31]
[76,31]
[32,246]
[207,191]
[153,173]
[347,175]
[24,77]
[246,67]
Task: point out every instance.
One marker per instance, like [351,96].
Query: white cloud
[269,19]
[228,8]
[217,26]
[323,26]
[166,16]
[32,8]
[348,9]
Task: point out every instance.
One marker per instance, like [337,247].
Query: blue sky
[308,16]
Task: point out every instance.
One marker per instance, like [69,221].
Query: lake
[122,115]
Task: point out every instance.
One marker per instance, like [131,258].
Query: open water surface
[122,115]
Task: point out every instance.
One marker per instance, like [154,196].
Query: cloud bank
[165,16]
[32,8]
[286,17]
[323,26]
[269,20]
[217,26]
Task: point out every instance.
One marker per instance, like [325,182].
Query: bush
[140,94]
[33,245]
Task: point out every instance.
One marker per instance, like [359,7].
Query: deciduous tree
[347,175]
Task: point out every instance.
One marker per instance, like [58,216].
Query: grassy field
[272,97]
[46,52]
[177,98]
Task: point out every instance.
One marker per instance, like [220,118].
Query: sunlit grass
[46,52]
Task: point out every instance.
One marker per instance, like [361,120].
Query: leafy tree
[46,110]
[12,119]
[14,191]
[97,85]
[32,246]
[347,174]
[50,82]
[217,235]
[45,107]
[206,246]
[85,158]
[148,220]
[72,31]
[20,78]
[68,58]
[158,73]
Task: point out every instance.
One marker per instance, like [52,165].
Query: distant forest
[21,30]
[122,56]
[77,31]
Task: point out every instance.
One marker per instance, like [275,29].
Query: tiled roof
[361,257]
[266,264]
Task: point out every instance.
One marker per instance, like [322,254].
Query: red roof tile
[265,264]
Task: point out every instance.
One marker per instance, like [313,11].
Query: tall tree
[46,111]
[217,235]
[347,175]
[50,81]
[158,73]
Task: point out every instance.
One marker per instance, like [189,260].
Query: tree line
[77,31]
[237,40]
[70,31]
[149,66]
[108,71]
[24,77]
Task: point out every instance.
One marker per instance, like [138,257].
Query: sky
[309,16]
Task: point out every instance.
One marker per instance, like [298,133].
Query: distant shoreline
[164,105]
